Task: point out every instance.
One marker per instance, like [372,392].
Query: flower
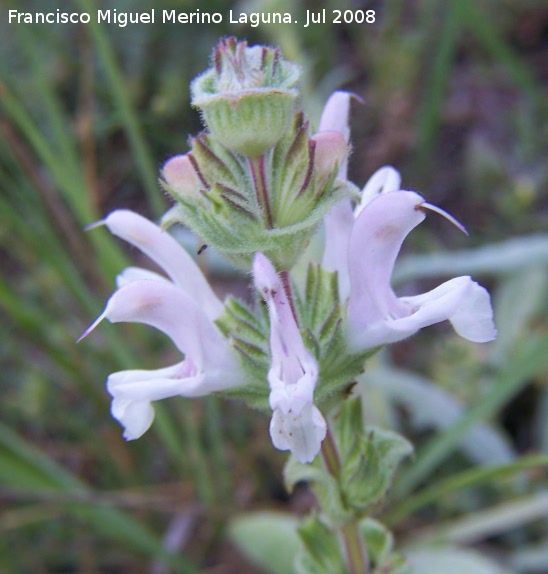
[362,244]
[375,315]
[183,307]
[297,425]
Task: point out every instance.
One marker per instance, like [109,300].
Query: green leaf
[22,467]
[322,553]
[495,259]
[378,541]
[529,359]
[366,477]
[451,561]
[467,479]
[268,539]
[369,457]
[432,407]
[326,487]
[490,522]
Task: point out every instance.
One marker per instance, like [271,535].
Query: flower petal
[168,254]
[163,306]
[290,359]
[135,416]
[384,180]
[375,315]
[375,241]
[143,385]
[330,153]
[181,177]
[301,434]
[131,274]
[335,114]
[339,219]
[335,119]
[338,225]
[462,301]
[296,425]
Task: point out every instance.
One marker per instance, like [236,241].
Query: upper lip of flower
[375,315]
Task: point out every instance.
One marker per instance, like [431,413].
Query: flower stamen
[443,213]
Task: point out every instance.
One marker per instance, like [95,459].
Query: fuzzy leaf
[268,539]
[369,457]
[321,553]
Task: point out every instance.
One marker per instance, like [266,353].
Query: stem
[354,547]
[257,166]
[356,553]
[330,454]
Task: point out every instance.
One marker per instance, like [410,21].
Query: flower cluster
[364,233]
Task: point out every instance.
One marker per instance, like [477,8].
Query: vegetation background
[455,97]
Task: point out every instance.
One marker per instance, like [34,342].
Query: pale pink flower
[339,220]
[183,307]
[297,425]
[376,316]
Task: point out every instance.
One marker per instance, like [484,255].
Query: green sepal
[215,163]
[321,318]
[247,97]
[215,221]
[247,334]
[321,552]
[251,122]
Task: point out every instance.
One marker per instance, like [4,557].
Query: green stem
[330,454]
[356,553]
[354,548]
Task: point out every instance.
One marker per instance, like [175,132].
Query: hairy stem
[356,554]
[354,548]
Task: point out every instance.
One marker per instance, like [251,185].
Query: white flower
[297,425]
[375,315]
[183,307]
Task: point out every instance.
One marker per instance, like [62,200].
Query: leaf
[528,360]
[432,407]
[268,539]
[466,479]
[451,561]
[322,551]
[495,259]
[22,467]
[490,522]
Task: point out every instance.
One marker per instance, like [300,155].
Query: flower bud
[247,98]
[181,177]
[330,152]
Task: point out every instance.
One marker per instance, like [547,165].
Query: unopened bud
[330,152]
[247,99]
[181,177]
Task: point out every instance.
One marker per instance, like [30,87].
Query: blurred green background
[455,97]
